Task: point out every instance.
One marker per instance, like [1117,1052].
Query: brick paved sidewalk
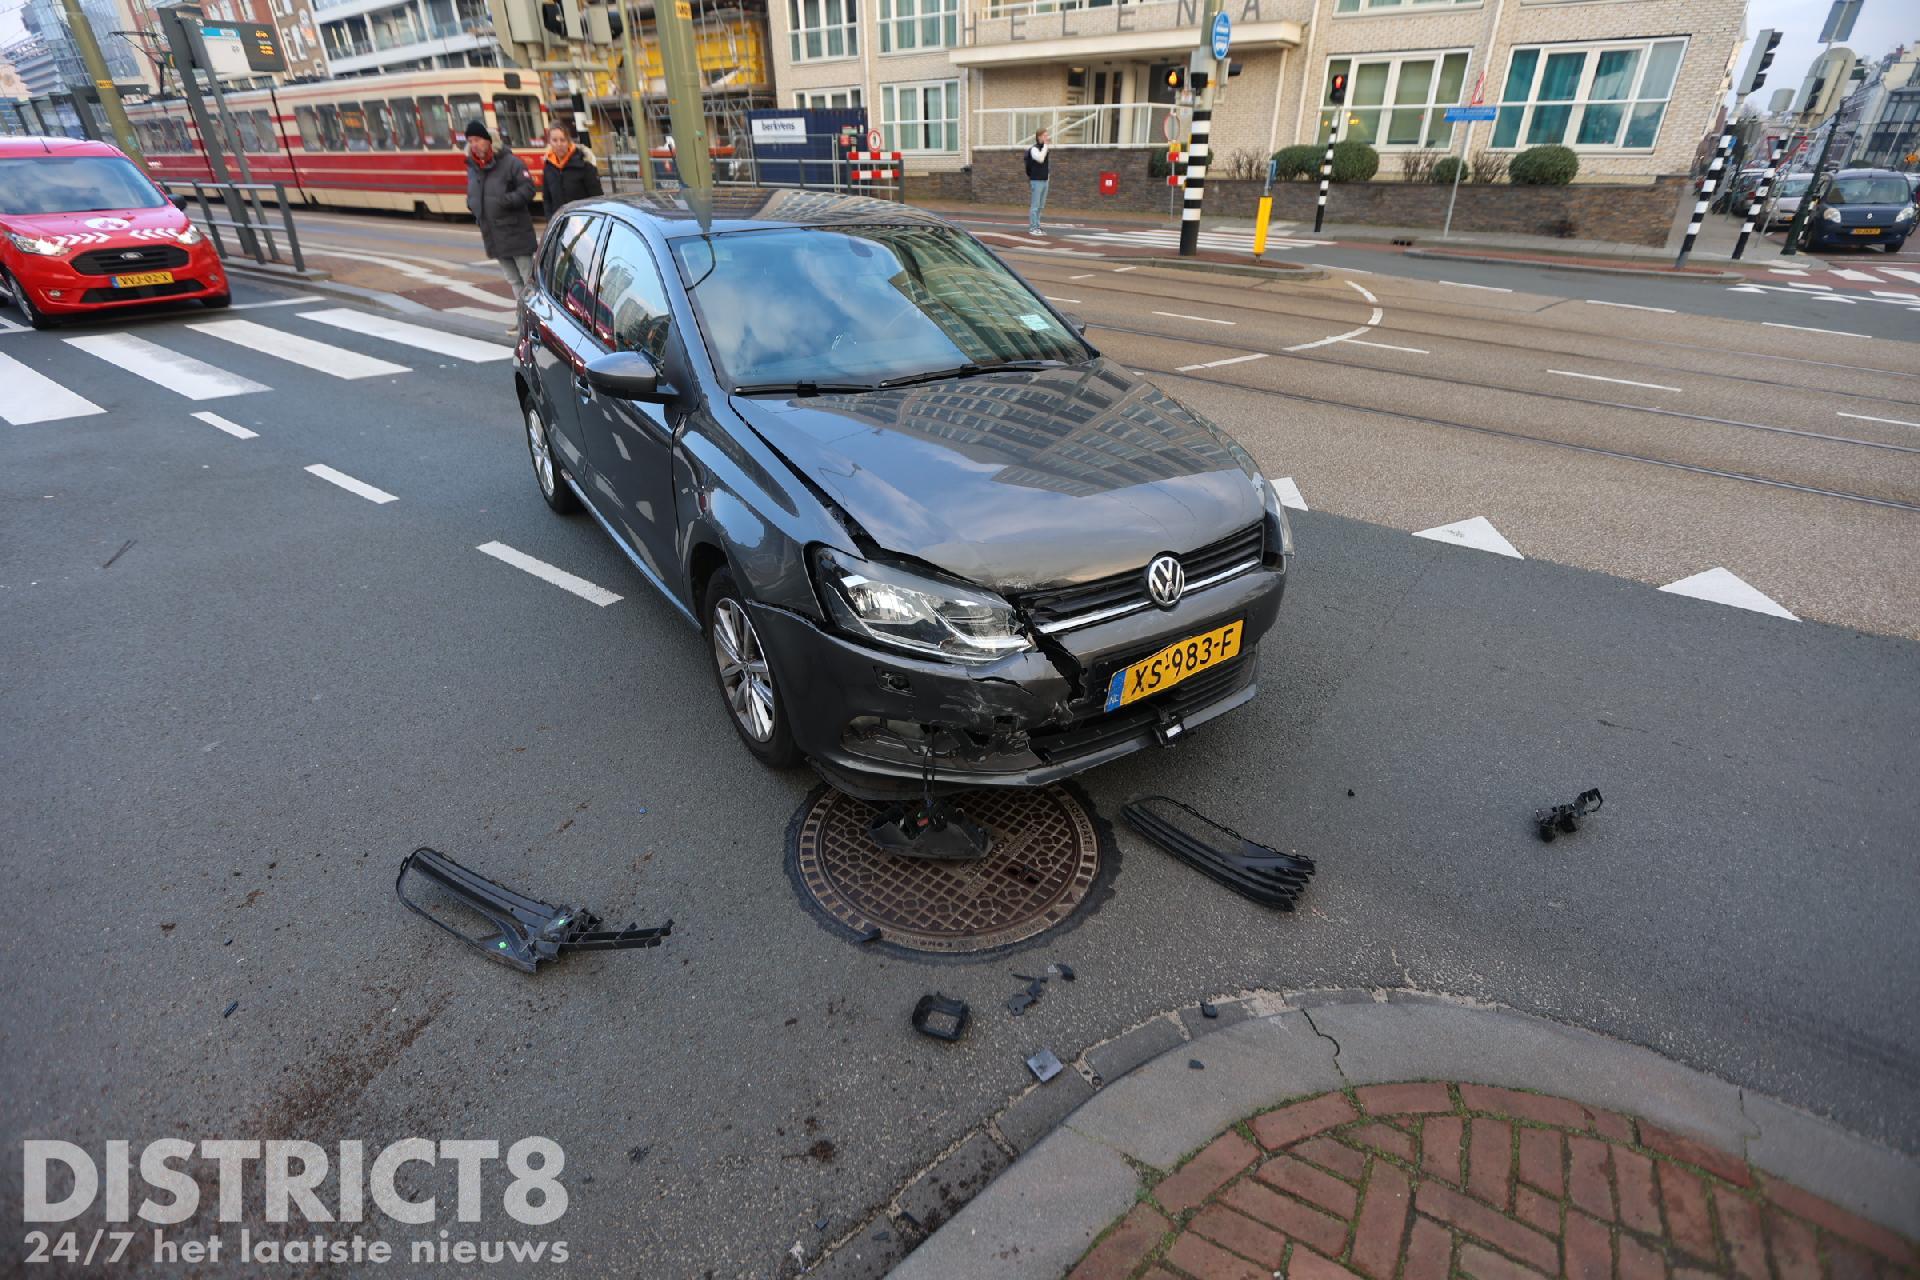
[1430,1181]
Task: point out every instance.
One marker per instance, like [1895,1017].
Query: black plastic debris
[526,931]
[1207,1010]
[936,829]
[230,1008]
[871,935]
[1044,1065]
[1250,869]
[1019,1002]
[1061,970]
[1564,819]
[941,1017]
[1194,1064]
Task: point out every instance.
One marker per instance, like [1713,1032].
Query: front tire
[546,467]
[745,677]
[33,315]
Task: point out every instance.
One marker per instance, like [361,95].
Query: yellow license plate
[139,278]
[1173,664]
[1866,231]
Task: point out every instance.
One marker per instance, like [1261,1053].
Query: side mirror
[179,202]
[627,375]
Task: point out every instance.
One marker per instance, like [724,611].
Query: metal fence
[248,207]
[741,164]
[1131,124]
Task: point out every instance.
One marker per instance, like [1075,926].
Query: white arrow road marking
[233,429]
[1477,532]
[1867,277]
[1289,493]
[1594,377]
[194,379]
[411,335]
[1889,421]
[1175,315]
[1838,333]
[291,347]
[1912,277]
[1630,306]
[347,482]
[33,397]
[549,573]
[1215,364]
[1724,587]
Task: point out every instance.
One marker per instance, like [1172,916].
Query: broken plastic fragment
[1061,970]
[1019,1003]
[1565,818]
[940,1016]
[1044,1065]
[1208,1011]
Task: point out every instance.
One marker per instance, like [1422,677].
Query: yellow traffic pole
[1266,213]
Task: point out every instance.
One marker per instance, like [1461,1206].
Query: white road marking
[291,347]
[1215,364]
[194,379]
[347,482]
[1386,346]
[1288,492]
[1912,277]
[506,318]
[1118,270]
[1832,297]
[8,326]
[1629,306]
[482,262]
[1747,288]
[1788,271]
[34,397]
[411,335]
[1086,275]
[1338,337]
[1594,377]
[1375,318]
[233,429]
[1175,315]
[1890,421]
[1462,284]
[1894,296]
[1050,298]
[1866,277]
[1809,285]
[549,573]
[1361,289]
[1838,333]
[1722,586]
[1477,532]
[303,300]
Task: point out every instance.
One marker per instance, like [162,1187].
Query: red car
[83,230]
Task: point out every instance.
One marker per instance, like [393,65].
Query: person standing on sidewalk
[500,198]
[568,172]
[1037,181]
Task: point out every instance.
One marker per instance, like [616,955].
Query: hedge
[1544,167]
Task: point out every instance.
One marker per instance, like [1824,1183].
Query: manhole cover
[1048,856]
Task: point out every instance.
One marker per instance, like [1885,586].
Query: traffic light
[1337,91]
[1197,80]
[1758,61]
[1173,78]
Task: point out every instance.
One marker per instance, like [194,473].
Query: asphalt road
[225,735]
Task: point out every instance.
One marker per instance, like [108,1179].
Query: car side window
[569,272]
[633,313]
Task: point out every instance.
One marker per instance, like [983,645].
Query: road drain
[1049,856]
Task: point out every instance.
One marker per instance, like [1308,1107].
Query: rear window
[74,184]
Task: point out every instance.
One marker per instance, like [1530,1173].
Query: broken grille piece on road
[928,827]
[526,931]
[940,1016]
[1565,818]
[1044,1065]
[1250,869]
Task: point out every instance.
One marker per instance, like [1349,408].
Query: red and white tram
[369,142]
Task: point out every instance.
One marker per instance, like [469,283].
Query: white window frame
[1582,97]
[842,16]
[1387,105]
[818,99]
[942,17]
[1386,8]
[891,124]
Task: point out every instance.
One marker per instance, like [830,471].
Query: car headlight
[1830,213]
[190,236]
[36,244]
[1278,514]
[922,615]
[1905,215]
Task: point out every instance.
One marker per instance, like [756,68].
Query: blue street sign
[1222,35]
[1457,114]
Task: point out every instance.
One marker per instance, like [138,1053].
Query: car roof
[12,148]
[724,209]
[1869,173]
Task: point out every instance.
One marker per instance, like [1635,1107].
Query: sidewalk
[1345,1136]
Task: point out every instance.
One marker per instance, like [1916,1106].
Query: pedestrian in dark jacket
[1037,176]
[567,173]
[500,198]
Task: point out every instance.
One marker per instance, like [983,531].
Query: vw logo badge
[1165,581]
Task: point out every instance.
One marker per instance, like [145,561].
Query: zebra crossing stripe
[335,361]
[410,335]
[34,397]
[181,374]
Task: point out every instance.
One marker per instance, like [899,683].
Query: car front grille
[115,262]
[142,291]
[1085,603]
[1104,729]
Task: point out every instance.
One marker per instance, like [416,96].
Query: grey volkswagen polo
[922,522]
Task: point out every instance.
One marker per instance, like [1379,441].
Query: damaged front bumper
[1030,719]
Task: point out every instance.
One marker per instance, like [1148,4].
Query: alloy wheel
[743,669]
[542,453]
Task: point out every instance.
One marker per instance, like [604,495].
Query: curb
[274,271]
[1548,264]
[1084,1149]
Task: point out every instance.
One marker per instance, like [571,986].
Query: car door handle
[583,387]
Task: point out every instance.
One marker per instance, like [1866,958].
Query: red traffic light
[1337,92]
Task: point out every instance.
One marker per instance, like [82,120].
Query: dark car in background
[1858,208]
[918,517]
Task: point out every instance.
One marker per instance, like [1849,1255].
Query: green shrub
[1300,161]
[1157,166]
[1448,170]
[1354,161]
[1544,167]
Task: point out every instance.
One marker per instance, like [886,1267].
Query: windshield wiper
[970,370]
[803,387]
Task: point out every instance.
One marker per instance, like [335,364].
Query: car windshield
[862,305]
[1794,187]
[74,184]
[1884,189]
